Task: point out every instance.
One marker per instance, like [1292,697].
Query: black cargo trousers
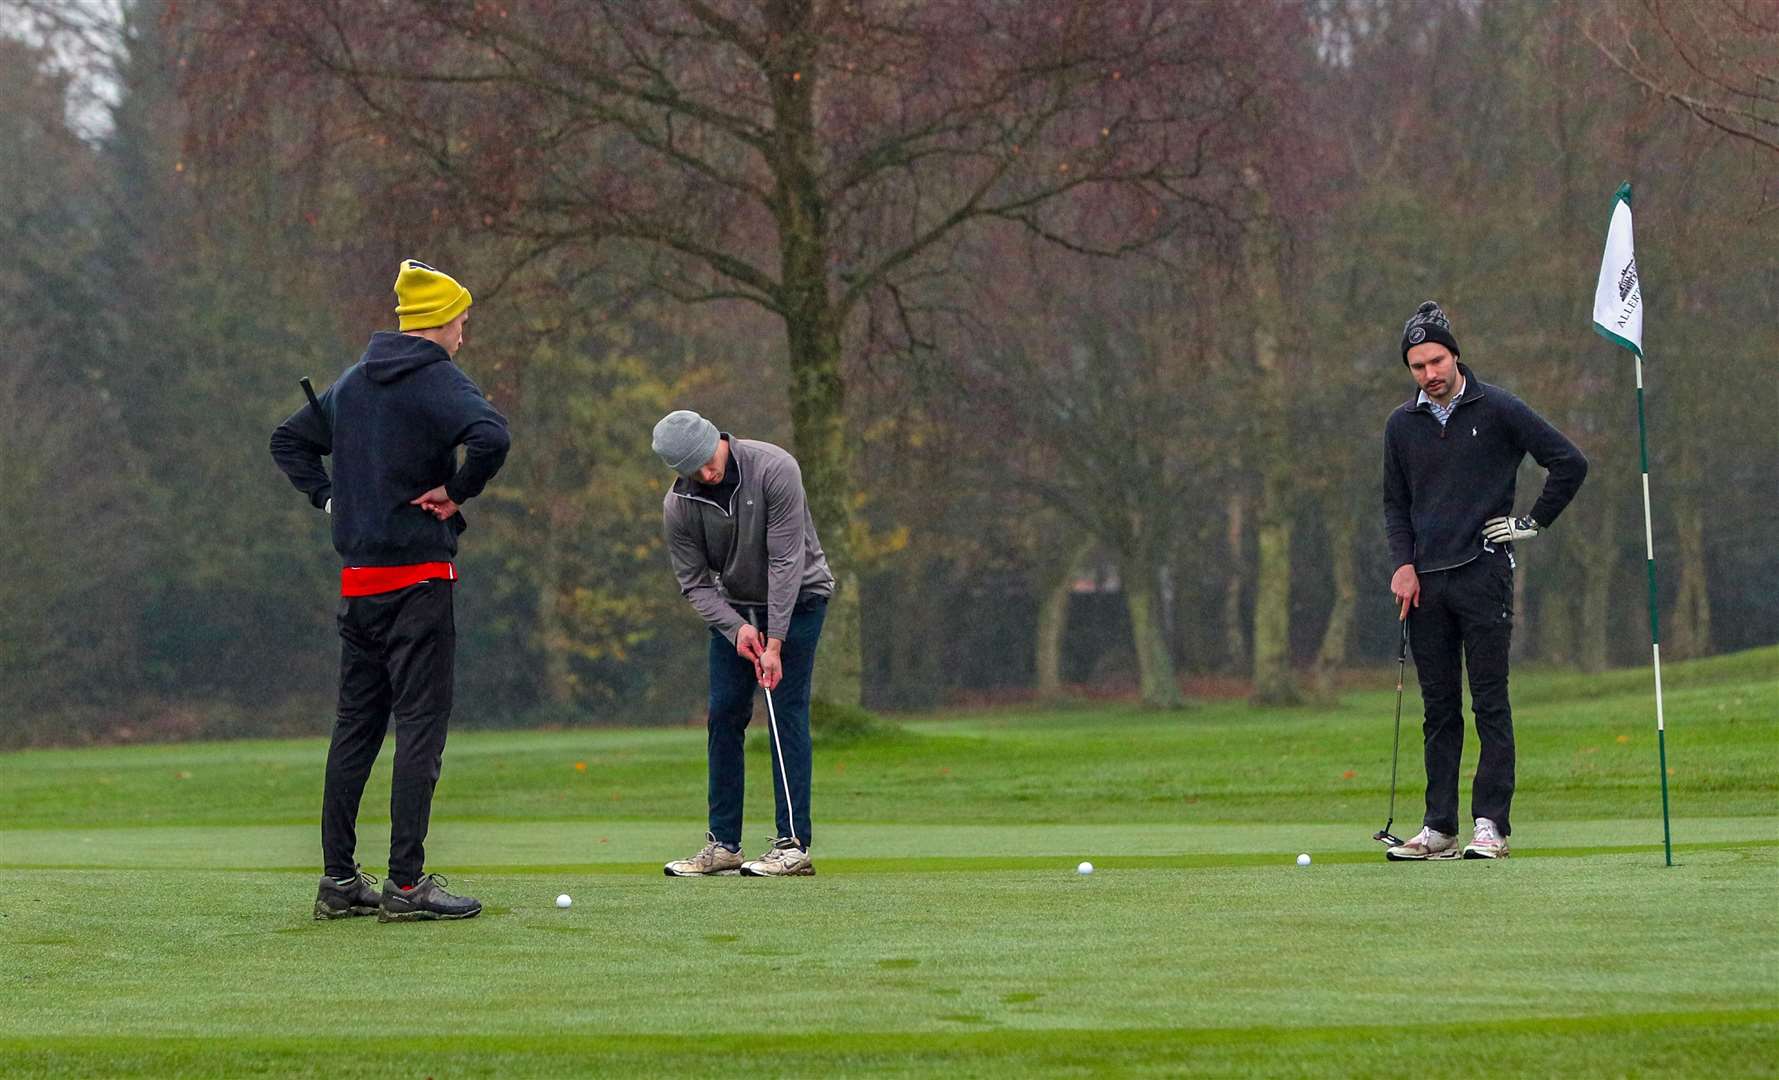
[1465,624]
[397,653]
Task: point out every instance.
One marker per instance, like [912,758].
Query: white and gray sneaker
[713,858]
[1487,842]
[783,859]
[1424,845]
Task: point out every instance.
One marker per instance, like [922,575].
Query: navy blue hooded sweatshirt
[1442,483]
[392,423]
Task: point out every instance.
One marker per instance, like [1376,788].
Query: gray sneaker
[1425,845]
[783,859]
[712,859]
[1487,842]
[336,901]
[426,900]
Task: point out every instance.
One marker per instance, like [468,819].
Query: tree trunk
[819,436]
[551,633]
[1155,661]
[1689,625]
[812,329]
[1274,683]
[1337,638]
[1597,575]
[1555,626]
[548,530]
[1263,252]
[1235,633]
[1053,618]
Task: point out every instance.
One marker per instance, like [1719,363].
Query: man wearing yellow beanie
[392,422]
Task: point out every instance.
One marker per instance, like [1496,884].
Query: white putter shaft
[784,777]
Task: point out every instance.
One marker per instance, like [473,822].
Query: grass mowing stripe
[1543,1025]
[986,863]
[1581,755]
[1652,1043]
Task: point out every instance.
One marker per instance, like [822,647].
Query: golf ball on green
[1084,868]
[1303,860]
[564,901]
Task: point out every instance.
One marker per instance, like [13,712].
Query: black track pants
[1466,613]
[396,660]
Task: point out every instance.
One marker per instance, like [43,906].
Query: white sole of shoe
[1478,853]
[1449,853]
[671,872]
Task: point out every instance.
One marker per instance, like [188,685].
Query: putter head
[1387,838]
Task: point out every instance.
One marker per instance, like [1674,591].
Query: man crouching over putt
[743,545]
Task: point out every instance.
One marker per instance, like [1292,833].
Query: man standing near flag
[1451,456]
[392,423]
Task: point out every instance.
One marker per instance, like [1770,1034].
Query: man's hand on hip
[1506,530]
[1405,585]
[436,503]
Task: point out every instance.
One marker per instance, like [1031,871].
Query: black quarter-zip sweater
[1442,483]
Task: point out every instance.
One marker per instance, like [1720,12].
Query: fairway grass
[154,905]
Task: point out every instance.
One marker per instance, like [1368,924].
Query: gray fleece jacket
[760,550]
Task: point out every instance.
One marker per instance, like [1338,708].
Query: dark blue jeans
[1464,625]
[733,688]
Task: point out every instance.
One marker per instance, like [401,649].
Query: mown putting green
[154,904]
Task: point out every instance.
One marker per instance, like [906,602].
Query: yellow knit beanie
[425,298]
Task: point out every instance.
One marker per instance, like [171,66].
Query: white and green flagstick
[1618,317]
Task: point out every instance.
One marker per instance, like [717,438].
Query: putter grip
[315,403]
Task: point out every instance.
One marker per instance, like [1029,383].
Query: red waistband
[371,580]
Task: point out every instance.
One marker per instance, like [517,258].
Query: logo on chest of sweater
[1473,433]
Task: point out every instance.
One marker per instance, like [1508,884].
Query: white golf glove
[328,507]
[1506,530]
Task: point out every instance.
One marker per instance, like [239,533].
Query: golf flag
[1618,317]
[1618,298]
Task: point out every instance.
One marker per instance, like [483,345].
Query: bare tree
[1716,59]
[1093,387]
[806,156]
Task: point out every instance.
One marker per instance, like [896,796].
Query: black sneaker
[426,900]
[356,897]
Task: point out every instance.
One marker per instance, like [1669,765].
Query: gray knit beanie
[685,441]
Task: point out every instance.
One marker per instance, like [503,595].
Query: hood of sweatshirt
[391,356]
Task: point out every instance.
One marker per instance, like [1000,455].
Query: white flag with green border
[1618,298]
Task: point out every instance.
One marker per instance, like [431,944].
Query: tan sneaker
[1487,842]
[713,859]
[1424,845]
[783,859]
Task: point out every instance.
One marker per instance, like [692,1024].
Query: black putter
[1384,836]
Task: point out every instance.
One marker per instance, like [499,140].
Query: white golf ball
[1303,860]
[1084,868]
[564,901]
